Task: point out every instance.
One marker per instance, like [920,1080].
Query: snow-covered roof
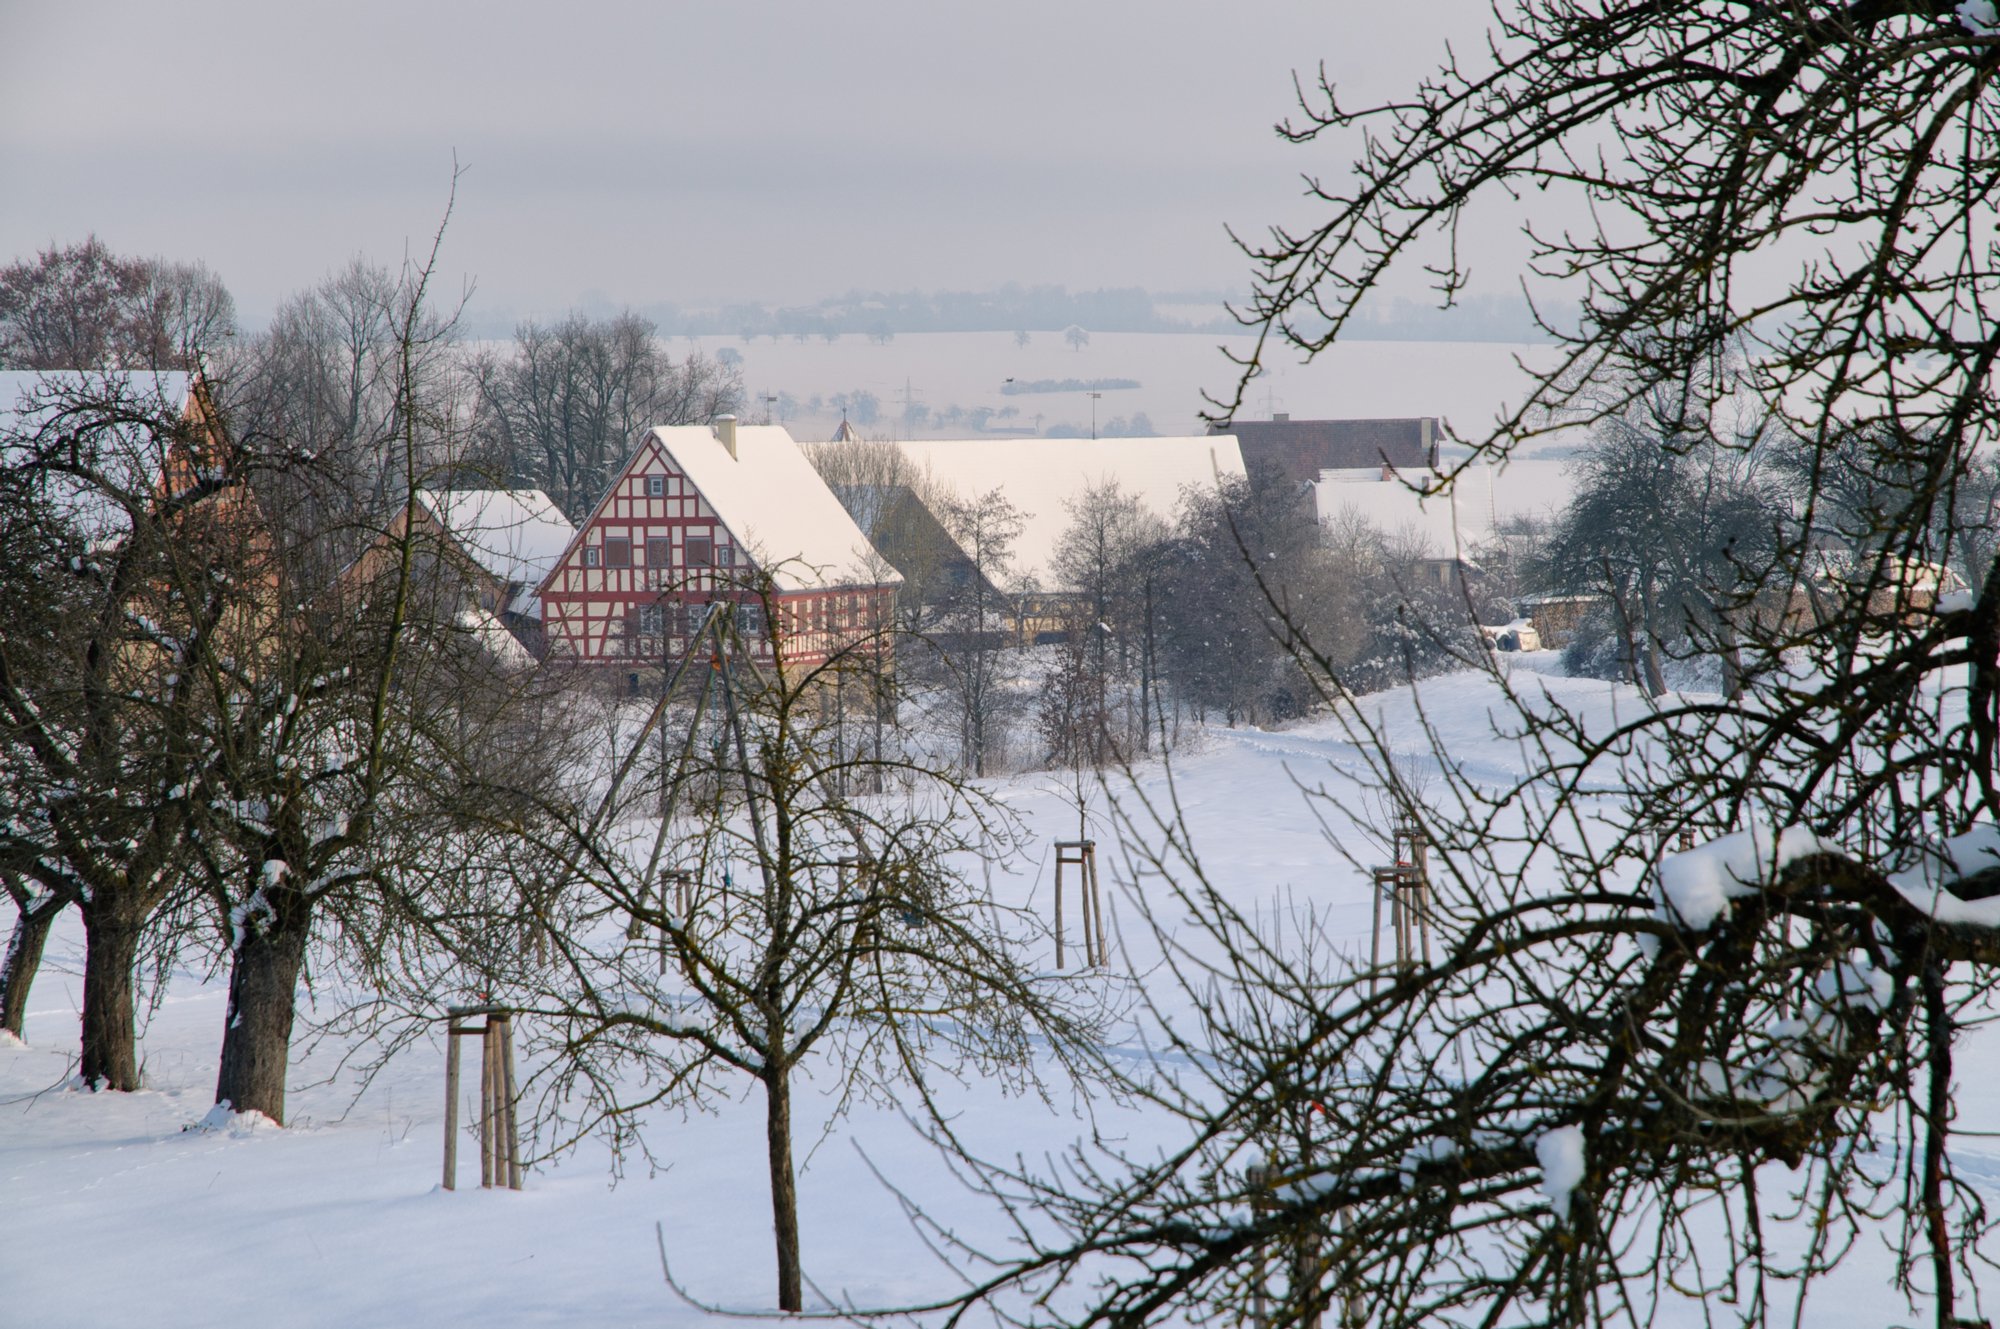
[776,506]
[1482,499]
[129,459]
[493,638]
[1040,476]
[515,534]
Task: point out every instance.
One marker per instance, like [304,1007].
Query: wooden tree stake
[1082,855]
[499,1129]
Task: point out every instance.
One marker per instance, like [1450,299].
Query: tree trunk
[1656,678]
[24,958]
[263,998]
[784,1189]
[110,1057]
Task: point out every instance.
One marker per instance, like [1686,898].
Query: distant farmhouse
[1044,477]
[1282,450]
[704,516]
[1374,469]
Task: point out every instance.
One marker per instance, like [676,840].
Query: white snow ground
[120,1215]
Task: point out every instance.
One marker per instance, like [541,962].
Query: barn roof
[1040,476]
[776,506]
[515,534]
[1298,450]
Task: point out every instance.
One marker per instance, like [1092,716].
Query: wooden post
[1415,852]
[1059,926]
[1375,932]
[451,1106]
[509,1097]
[1081,855]
[1083,919]
[499,1123]
[1097,894]
[488,1063]
[1406,883]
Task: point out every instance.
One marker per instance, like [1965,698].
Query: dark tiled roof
[1298,450]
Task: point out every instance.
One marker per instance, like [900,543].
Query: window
[699,551]
[659,551]
[590,556]
[725,556]
[617,553]
[656,485]
[651,620]
[749,619]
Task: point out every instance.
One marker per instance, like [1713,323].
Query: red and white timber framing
[653,553]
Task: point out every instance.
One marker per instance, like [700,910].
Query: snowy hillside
[125,1212]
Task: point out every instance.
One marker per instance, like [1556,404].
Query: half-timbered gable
[703,515]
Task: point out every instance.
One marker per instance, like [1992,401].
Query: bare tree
[343,749]
[767,915]
[83,307]
[96,688]
[323,383]
[1644,1034]
[1095,707]
[1675,527]
[896,505]
[1221,647]
[976,619]
[561,412]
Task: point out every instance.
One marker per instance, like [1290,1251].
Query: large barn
[1291,452]
[704,514]
[1043,477]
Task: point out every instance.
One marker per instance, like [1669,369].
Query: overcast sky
[680,152]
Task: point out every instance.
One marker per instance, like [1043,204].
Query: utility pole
[910,398]
[1093,412]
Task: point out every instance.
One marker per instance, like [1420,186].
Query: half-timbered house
[716,515]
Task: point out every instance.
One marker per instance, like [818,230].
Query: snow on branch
[1697,885]
[1936,884]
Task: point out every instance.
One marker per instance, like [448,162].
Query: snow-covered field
[1465,383]
[119,1213]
